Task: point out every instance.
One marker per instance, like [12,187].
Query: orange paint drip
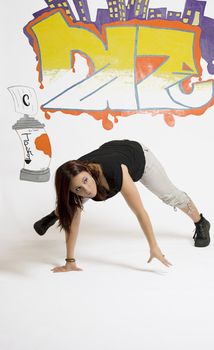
[39,73]
[107,124]
[47,115]
[169,119]
[43,144]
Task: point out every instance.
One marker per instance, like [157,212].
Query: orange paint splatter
[43,144]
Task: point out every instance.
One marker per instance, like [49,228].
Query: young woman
[99,175]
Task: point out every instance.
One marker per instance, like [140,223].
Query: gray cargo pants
[157,181]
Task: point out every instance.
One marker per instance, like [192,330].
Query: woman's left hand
[155,252]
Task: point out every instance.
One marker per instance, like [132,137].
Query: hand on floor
[66,268]
[156,253]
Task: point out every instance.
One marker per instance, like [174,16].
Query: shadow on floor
[16,256]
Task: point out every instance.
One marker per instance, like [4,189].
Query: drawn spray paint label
[34,139]
[36,148]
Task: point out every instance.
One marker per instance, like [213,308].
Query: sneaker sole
[202,244]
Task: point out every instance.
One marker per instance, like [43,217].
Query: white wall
[186,150]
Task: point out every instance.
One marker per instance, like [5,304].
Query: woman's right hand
[69,266]
[155,252]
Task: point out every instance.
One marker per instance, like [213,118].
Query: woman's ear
[76,201]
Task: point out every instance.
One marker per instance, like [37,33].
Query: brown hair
[67,201]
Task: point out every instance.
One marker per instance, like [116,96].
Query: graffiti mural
[34,139]
[132,59]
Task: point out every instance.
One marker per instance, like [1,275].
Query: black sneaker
[202,236]
[43,224]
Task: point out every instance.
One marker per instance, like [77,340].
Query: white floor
[118,301]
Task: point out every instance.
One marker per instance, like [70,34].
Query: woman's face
[84,185]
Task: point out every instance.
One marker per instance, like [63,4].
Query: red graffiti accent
[147,65]
[186,67]
[186,85]
[43,144]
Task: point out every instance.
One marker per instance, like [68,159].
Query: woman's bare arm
[133,199]
[70,239]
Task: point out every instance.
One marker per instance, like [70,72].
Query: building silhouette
[157,13]
[63,5]
[193,12]
[207,43]
[117,10]
[82,10]
[102,18]
[40,12]
[174,16]
[137,9]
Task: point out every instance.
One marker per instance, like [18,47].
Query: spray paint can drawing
[34,139]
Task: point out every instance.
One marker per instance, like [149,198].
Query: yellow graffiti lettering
[115,82]
[57,39]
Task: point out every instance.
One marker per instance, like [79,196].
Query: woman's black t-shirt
[111,155]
